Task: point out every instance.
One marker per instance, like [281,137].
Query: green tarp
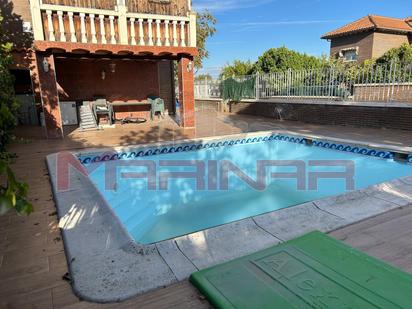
[236,90]
[313,271]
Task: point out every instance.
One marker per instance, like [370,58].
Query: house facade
[369,37]
[122,50]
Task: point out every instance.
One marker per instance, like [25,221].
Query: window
[349,54]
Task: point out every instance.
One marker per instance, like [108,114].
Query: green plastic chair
[157,105]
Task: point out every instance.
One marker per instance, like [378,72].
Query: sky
[247,28]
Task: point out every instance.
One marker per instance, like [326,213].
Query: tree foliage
[205,28]
[400,55]
[8,102]
[203,77]
[12,192]
[282,58]
[237,68]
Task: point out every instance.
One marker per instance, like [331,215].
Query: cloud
[225,5]
[241,26]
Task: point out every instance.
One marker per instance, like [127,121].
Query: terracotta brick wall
[376,117]
[363,40]
[207,105]
[384,93]
[80,80]
[382,42]
[166,84]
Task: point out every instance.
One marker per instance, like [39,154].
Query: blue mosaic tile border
[152,151]
[354,149]
[186,147]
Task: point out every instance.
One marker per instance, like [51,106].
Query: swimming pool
[154,214]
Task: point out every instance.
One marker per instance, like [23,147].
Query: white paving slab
[294,221]
[119,274]
[395,191]
[181,266]
[407,180]
[224,243]
[354,206]
[105,263]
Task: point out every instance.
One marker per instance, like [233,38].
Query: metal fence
[389,83]
[208,89]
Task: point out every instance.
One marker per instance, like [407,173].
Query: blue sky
[246,28]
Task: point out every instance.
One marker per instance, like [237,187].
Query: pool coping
[109,266]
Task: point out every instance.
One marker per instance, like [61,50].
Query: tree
[237,68]
[282,58]
[8,102]
[202,77]
[400,55]
[205,29]
[12,192]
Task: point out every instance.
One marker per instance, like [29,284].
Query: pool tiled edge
[148,150]
[109,266]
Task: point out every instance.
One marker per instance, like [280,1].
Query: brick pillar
[186,93]
[49,96]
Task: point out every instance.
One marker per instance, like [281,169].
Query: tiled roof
[372,22]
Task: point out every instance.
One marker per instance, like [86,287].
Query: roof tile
[372,22]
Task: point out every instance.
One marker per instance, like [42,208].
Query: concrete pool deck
[37,282]
[105,263]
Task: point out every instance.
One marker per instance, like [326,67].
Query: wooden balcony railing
[101,22]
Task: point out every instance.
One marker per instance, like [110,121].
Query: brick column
[49,96]
[186,93]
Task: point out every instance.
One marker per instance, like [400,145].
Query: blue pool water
[154,215]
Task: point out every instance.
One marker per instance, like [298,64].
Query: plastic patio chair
[157,105]
[100,108]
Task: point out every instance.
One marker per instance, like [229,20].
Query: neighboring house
[121,50]
[369,37]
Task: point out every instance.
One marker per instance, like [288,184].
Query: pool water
[155,215]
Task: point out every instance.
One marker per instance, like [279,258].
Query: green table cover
[312,271]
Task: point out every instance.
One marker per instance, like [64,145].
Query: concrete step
[87,121]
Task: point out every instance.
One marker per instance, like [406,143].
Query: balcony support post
[36,20]
[122,22]
[192,30]
[49,96]
[186,92]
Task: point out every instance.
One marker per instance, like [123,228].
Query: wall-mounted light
[190,66]
[112,67]
[103,74]
[46,65]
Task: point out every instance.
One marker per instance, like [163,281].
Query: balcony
[141,23]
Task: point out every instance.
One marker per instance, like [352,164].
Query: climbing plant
[13,193]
